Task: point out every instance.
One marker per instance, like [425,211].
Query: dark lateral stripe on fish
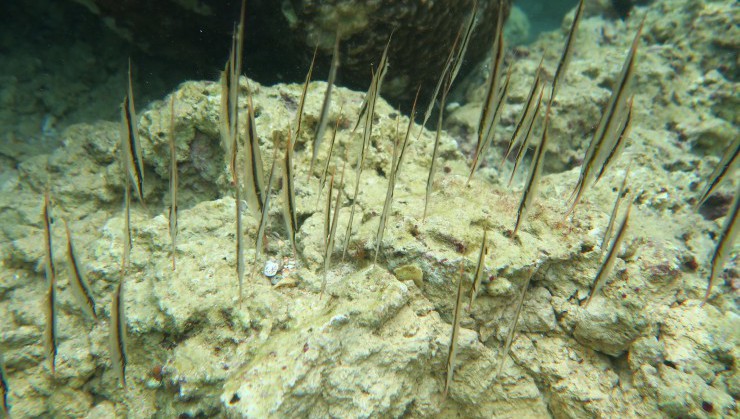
[719,174]
[265,208]
[620,143]
[527,135]
[492,92]
[50,331]
[302,101]
[435,150]
[488,139]
[724,244]
[534,173]
[173,181]
[329,248]
[611,255]
[126,228]
[49,251]
[478,277]
[526,111]
[602,138]
[388,194]
[322,180]
[255,175]
[568,50]
[512,327]
[4,388]
[405,142]
[137,167]
[617,203]
[460,56]
[324,116]
[117,336]
[367,113]
[80,287]
[238,233]
[454,336]
[289,209]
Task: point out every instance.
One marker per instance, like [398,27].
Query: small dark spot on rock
[691,264]
[587,247]
[234,399]
[392,115]
[447,169]
[305,347]
[715,206]
[707,406]
[668,363]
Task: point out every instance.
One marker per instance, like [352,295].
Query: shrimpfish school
[548,233]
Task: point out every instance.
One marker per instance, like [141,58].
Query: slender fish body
[118,335]
[173,181]
[50,302]
[289,209]
[512,327]
[535,171]
[613,217]
[4,389]
[611,256]
[607,130]
[80,287]
[324,117]
[130,140]
[455,333]
[568,50]
[725,243]
[719,174]
[479,270]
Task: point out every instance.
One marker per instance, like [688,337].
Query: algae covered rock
[376,342]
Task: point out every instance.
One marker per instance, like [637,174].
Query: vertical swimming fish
[254,181]
[530,188]
[388,194]
[455,332]
[50,304]
[568,50]
[725,243]
[435,150]
[4,389]
[479,270]
[117,334]
[611,256]
[332,231]
[620,143]
[367,112]
[405,142]
[327,212]
[130,140]
[719,174]
[512,327]
[173,181]
[613,116]
[527,135]
[460,56]
[289,210]
[126,227]
[490,133]
[322,180]
[238,232]
[377,80]
[527,113]
[324,117]
[302,101]
[486,120]
[617,203]
[265,208]
[80,287]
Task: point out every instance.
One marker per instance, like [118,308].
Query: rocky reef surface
[376,344]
